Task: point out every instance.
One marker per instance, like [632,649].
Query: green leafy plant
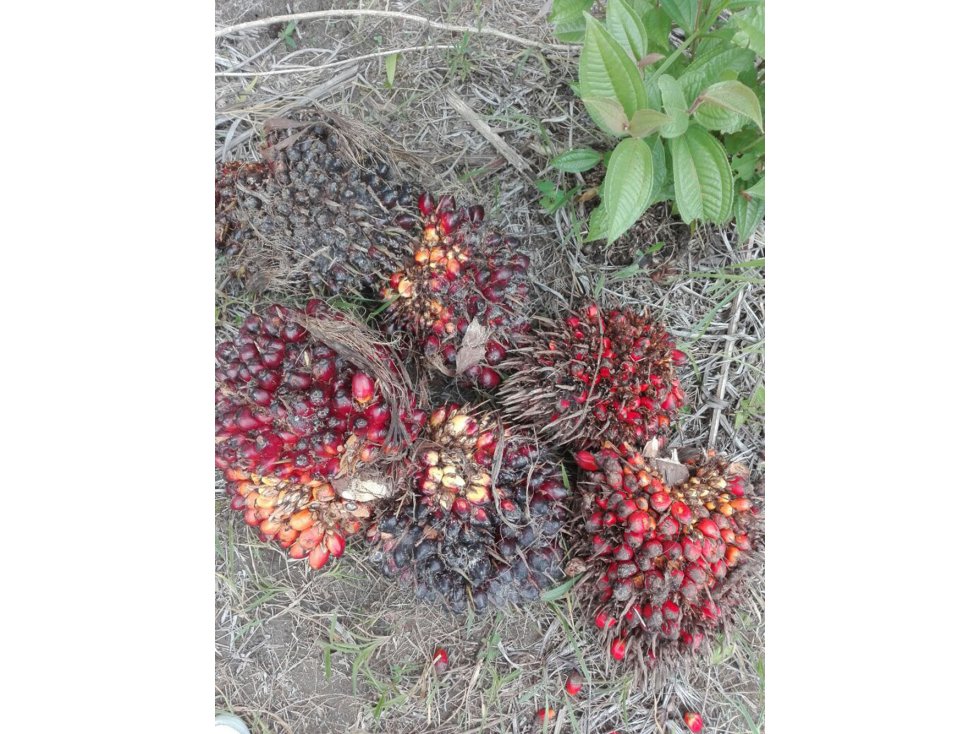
[680,85]
[286,35]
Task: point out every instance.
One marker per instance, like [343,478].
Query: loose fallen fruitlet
[464,536]
[610,375]
[546,714]
[574,683]
[693,721]
[440,660]
[298,426]
[459,274]
[665,556]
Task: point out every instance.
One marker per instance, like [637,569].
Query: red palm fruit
[586,460]
[318,557]
[362,388]
[335,543]
[440,660]
[692,548]
[694,722]
[287,536]
[709,528]
[660,501]
[617,649]
[681,513]
[546,714]
[604,621]
[574,683]
[301,520]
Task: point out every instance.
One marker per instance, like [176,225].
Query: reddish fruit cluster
[464,534]
[307,519]
[610,375]
[458,275]
[665,552]
[292,414]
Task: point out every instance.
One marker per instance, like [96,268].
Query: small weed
[286,34]
[458,59]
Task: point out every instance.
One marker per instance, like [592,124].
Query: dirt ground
[344,650]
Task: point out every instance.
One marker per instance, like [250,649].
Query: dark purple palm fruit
[306,427]
[321,221]
[608,375]
[667,560]
[459,274]
[464,537]
[234,185]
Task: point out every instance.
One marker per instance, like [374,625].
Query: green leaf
[743,165]
[597,223]
[625,27]
[605,70]
[683,13]
[701,177]
[709,65]
[758,190]
[751,29]
[748,214]
[717,118]
[659,168]
[286,35]
[628,184]
[607,114]
[675,107]
[560,590]
[391,66]
[563,11]
[646,122]
[568,19]
[658,26]
[733,96]
[578,160]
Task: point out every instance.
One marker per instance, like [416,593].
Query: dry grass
[344,650]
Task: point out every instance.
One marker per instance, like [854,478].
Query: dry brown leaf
[473,349]
[650,59]
[673,472]
[365,490]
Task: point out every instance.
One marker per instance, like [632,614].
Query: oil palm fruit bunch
[464,536]
[458,274]
[602,374]
[321,219]
[668,559]
[304,429]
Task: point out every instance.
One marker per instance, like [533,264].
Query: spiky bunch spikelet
[458,275]
[299,426]
[605,375]
[464,533]
[666,559]
[315,219]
